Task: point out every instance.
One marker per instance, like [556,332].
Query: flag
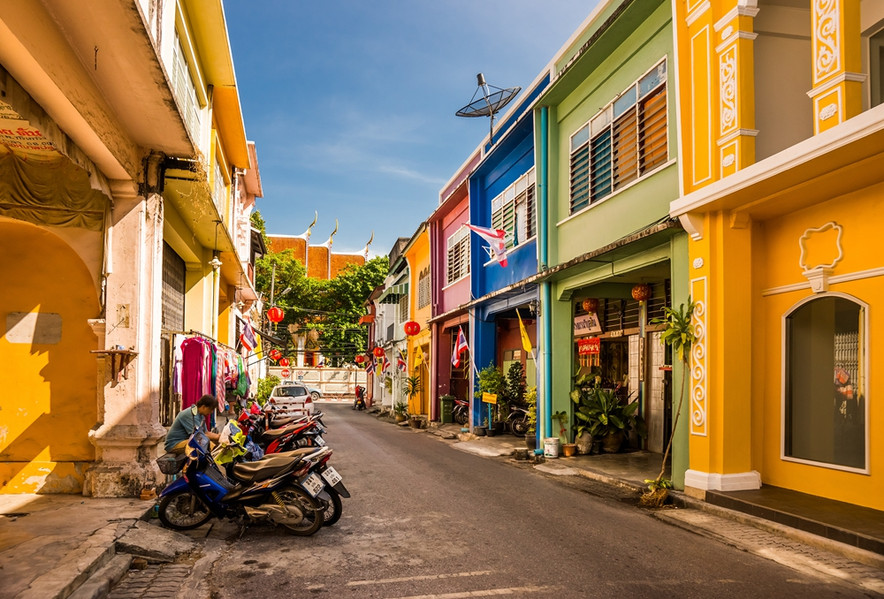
[495,239]
[460,346]
[247,337]
[418,356]
[526,342]
[385,364]
[369,367]
[401,363]
[321,362]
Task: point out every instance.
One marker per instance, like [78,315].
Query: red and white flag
[247,337]
[460,346]
[495,239]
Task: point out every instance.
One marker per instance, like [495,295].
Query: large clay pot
[584,443]
[569,449]
[612,442]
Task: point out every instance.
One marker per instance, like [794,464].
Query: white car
[315,393]
[291,398]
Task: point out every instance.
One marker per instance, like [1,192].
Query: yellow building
[782,134]
[120,137]
[417,254]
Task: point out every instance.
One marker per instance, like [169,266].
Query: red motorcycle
[359,404]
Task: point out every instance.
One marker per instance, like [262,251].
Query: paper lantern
[284,362]
[275,354]
[641,292]
[275,314]
[378,352]
[412,328]
[591,305]
[360,359]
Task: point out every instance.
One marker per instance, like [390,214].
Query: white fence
[332,382]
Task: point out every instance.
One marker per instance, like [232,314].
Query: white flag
[495,239]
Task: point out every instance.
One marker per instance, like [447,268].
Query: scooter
[282,489]
[359,404]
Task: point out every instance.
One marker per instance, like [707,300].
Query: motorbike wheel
[306,505]
[183,510]
[461,417]
[331,512]
[519,427]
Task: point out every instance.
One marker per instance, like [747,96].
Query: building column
[128,396]
[837,68]
[736,82]
[719,395]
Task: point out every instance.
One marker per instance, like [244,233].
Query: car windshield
[290,391]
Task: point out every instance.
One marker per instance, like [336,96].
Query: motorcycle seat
[275,433]
[267,467]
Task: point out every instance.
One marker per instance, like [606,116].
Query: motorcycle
[281,489]
[359,404]
[461,411]
[517,421]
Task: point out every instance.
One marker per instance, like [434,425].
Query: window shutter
[625,149]
[580,178]
[601,165]
[652,140]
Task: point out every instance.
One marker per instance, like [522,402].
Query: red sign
[589,346]
[286,373]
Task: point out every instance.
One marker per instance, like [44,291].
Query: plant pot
[400,417]
[612,442]
[584,443]
[491,431]
[569,449]
[479,431]
[531,440]
[415,423]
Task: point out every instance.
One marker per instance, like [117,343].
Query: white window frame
[185,88]
[605,120]
[423,289]
[514,209]
[457,256]
[784,372]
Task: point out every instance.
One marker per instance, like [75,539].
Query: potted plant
[491,380]
[400,409]
[604,416]
[679,333]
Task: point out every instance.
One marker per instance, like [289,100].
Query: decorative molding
[697,12]
[728,160]
[695,93]
[826,39]
[698,359]
[735,134]
[828,111]
[727,73]
[692,222]
[728,31]
[842,78]
[740,10]
[698,262]
[710,481]
[802,241]
[739,220]
[739,35]
[845,278]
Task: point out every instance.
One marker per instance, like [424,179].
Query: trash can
[447,407]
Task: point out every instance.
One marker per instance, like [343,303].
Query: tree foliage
[331,307]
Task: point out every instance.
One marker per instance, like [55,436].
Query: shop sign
[587,324]
[589,346]
[489,397]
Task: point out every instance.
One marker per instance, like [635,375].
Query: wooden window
[458,255]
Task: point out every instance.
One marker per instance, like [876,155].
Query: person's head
[206,405]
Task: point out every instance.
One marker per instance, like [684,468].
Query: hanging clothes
[196,362]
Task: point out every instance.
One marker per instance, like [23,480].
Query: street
[426,520]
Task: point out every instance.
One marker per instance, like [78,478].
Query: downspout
[545,296]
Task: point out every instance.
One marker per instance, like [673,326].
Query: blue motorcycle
[281,489]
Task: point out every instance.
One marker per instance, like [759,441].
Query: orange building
[319,260]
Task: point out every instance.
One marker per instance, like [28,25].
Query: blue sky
[351,102]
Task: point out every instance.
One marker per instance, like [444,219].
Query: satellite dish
[492,101]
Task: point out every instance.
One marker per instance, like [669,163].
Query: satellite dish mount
[492,101]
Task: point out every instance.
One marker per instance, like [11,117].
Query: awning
[392,294]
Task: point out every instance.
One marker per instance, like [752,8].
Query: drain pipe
[545,296]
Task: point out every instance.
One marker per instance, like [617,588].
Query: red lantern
[275,354]
[591,305]
[286,373]
[641,292]
[378,352]
[284,362]
[360,359]
[275,314]
[412,328]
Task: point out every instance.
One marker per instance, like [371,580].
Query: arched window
[825,383]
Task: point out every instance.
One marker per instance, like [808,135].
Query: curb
[103,580]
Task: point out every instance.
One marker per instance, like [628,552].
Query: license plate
[331,476]
[313,484]
[320,441]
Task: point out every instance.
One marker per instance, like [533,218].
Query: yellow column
[736,90]
[720,376]
[837,68]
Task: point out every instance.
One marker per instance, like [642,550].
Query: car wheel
[315,395]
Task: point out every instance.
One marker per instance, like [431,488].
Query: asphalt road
[428,521]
